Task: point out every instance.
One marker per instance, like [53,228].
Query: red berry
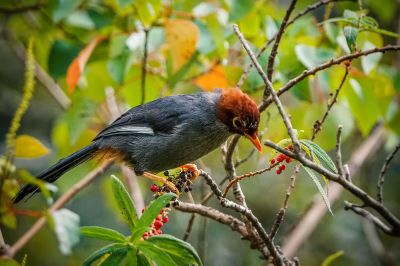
[280,158]
[159,217]
[162,211]
[158,224]
[288,159]
[282,167]
[273,161]
[279,171]
[154,188]
[165,219]
[159,231]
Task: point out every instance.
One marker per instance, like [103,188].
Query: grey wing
[160,116]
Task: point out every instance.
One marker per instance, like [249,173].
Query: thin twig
[75,189]
[250,174]
[385,166]
[326,65]
[277,258]
[339,162]
[299,15]
[318,124]
[189,227]
[281,214]
[144,63]
[274,50]
[223,218]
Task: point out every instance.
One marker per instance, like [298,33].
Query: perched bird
[166,133]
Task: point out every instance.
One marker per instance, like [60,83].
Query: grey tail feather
[55,171]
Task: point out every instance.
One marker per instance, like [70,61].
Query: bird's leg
[192,168]
[162,180]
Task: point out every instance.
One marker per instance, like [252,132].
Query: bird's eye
[238,123]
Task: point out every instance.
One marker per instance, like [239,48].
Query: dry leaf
[182,36]
[215,78]
[29,147]
[76,68]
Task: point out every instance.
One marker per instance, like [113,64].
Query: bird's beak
[254,139]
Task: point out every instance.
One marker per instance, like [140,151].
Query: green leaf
[62,8]
[61,55]
[369,62]
[102,233]
[350,33]
[142,260]
[156,254]
[311,56]
[180,251]
[321,190]
[150,214]
[239,9]
[78,116]
[320,153]
[110,249]
[66,227]
[115,258]
[117,66]
[8,262]
[369,23]
[331,258]
[124,202]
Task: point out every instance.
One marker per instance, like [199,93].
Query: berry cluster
[280,159]
[159,221]
[182,181]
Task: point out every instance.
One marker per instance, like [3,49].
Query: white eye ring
[238,123]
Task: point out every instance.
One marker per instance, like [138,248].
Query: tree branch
[75,189]
[385,166]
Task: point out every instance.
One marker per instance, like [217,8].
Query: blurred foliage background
[191,47]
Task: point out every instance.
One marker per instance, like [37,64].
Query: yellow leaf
[182,36]
[29,147]
[215,78]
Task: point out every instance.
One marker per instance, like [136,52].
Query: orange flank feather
[109,154]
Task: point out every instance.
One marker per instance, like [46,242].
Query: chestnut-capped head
[240,114]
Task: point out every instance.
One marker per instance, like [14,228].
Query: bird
[166,133]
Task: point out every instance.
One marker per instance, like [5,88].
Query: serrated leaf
[29,147]
[320,153]
[102,233]
[180,251]
[110,249]
[156,254]
[66,227]
[150,214]
[321,190]
[124,202]
[350,33]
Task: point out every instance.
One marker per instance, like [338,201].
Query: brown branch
[274,50]
[189,227]
[20,9]
[278,259]
[223,218]
[326,65]
[311,218]
[339,162]
[65,198]
[318,124]
[385,166]
[290,22]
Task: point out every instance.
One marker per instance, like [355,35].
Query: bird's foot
[192,170]
[162,180]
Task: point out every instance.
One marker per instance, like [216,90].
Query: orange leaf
[215,78]
[182,36]
[76,68]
